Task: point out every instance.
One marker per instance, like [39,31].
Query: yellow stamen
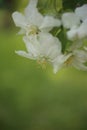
[69,61]
[42,63]
[32,30]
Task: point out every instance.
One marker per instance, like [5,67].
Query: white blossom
[70,20]
[82,30]
[78,33]
[76,22]
[82,12]
[72,34]
[44,48]
[78,59]
[59,62]
[33,22]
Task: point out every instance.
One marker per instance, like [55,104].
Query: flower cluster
[43,46]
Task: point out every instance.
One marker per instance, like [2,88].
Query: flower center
[32,30]
[42,62]
[69,60]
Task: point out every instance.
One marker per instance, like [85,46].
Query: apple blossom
[33,22]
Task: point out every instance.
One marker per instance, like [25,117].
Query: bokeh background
[32,98]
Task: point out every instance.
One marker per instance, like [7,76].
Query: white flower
[70,20]
[82,12]
[77,59]
[72,34]
[82,30]
[76,22]
[44,48]
[76,56]
[32,22]
[78,33]
[59,62]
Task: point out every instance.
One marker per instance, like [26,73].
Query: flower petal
[82,31]
[70,19]
[32,3]
[56,68]
[32,14]
[79,66]
[49,22]
[19,19]
[82,12]
[72,34]
[50,46]
[81,55]
[25,54]
[31,48]
[85,48]
[76,45]
[59,62]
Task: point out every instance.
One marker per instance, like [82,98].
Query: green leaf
[72,4]
[58,5]
[50,6]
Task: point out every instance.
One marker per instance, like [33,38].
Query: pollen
[42,63]
[69,61]
[32,30]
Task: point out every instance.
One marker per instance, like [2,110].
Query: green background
[32,98]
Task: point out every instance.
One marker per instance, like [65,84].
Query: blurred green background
[32,98]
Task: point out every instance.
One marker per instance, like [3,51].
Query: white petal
[80,58]
[53,52]
[50,46]
[32,14]
[32,3]
[80,66]
[76,45]
[85,48]
[82,12]
[19,19]
[56,68]
[81,55]
[33,50]
[49,22]
[72,34]
[25,54]
[59,62]
[70,19]
[82,31]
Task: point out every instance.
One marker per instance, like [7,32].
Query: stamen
[42,63]
[69,61]
[32,30]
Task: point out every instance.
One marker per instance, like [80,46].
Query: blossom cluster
[43,46]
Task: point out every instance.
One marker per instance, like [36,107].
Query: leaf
[50,6]
[58,5]
[72,4]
